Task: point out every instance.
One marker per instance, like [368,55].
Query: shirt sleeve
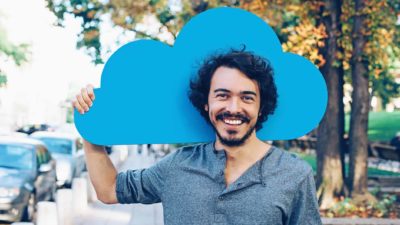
[305,209]
[143,185]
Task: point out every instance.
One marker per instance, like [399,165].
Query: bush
[384,207]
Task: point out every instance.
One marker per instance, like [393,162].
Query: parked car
[27,175]
[67,151]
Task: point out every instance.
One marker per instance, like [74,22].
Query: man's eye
[248,98]
[222,96]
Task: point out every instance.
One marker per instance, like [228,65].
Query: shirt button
[221,173]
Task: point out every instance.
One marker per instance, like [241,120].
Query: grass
[310,159]
[382,126]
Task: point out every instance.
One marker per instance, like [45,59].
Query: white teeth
[233,122]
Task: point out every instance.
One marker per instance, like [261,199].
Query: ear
[206,107]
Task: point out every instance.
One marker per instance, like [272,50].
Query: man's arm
[102,172]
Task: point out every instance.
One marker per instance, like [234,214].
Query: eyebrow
[248,93]
[221,89]
[243,92]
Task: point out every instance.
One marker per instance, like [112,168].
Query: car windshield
[58,145]
[16,156]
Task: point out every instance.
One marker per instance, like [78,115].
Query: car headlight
[9,192]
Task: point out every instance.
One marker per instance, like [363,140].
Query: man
[238,179]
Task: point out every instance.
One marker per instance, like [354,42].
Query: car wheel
[29,210]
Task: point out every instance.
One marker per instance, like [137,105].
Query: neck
[252,150]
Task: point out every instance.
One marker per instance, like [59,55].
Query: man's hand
[84,100]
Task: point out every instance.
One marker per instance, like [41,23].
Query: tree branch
[143,33]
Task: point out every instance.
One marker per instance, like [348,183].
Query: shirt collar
[256,173]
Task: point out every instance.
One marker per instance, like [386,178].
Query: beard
[234,142]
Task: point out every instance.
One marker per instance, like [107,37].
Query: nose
[233,105]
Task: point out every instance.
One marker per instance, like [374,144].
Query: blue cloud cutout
[144,85]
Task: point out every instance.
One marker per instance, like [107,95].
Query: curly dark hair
[253,66]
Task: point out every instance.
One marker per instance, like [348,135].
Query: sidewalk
[131,214]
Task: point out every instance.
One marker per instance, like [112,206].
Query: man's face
[233,105]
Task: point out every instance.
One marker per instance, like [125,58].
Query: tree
[126,14]
[17,53]
[360,106]
[330,142]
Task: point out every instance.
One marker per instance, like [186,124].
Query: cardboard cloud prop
[143,96]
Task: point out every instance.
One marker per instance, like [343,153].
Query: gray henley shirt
[278,189]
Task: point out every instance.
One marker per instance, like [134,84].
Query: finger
[90,91]
[82,103]
[86,97]
[77,106]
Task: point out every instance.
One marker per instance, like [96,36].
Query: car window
[16,156]
[58,145]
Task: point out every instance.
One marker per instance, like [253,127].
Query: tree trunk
[360,108]
[331,129]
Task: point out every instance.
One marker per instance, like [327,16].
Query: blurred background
[49,49]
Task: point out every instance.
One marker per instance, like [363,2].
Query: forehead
[233,80]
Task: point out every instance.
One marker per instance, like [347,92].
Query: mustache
[239,116]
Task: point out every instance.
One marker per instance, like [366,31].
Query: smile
[233,122]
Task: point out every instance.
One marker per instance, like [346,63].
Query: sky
[56,68]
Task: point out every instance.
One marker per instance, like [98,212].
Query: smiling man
[237,179]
